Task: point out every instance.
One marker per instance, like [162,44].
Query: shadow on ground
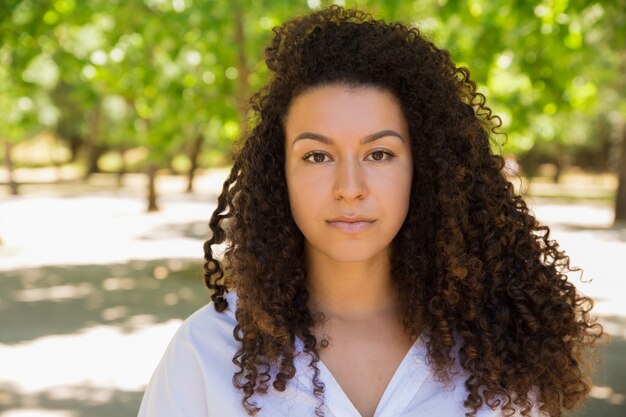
[609,392]
[189,230]
[65,299]
[75,401]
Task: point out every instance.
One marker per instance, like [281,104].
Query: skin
[349,273]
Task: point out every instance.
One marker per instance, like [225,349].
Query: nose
[350,182]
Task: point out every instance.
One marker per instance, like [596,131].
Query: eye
[379,155]
[318,157]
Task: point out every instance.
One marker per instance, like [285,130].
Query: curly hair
[473,265]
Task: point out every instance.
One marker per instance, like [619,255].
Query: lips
[352,219]
[351,224]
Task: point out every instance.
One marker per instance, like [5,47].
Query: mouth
[352,226]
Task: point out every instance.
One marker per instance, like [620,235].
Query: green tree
[174,76]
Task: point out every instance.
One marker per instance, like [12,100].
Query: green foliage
[158,73]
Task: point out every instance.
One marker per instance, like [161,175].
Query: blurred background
[116,123]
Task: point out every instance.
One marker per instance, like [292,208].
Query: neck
[351,291]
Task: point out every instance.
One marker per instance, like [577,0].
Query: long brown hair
[470,261]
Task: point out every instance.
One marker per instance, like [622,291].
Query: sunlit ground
[92,289]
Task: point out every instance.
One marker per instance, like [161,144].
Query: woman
[378,262]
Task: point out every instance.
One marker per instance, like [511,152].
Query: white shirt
[194,379]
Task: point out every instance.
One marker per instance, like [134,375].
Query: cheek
[305,196]
[395,187]
[404,191]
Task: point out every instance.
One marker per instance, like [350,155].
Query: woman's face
[348,153]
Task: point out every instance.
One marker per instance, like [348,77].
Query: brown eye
[380,155]
[318,157]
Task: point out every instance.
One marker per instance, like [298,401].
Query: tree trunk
[75,143]
[620,198]
[562,162]
[193,157]
[529,166]
[123,168]
[57,164]
[93,150]
[558,168]
[152,196]
[9,162]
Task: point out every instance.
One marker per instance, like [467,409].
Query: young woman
[378,261]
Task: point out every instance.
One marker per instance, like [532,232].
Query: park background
[116,123]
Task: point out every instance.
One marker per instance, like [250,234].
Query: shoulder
[208,331]
[191,378]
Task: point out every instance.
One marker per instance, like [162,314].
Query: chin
[351,252]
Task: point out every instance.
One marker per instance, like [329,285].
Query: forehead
[342,109]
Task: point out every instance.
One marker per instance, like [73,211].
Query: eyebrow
[329,141]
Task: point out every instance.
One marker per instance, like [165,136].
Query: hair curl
[475,265]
